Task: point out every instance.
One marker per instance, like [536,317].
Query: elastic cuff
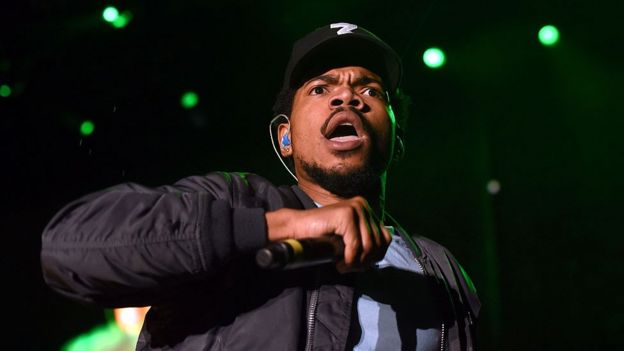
[249,228]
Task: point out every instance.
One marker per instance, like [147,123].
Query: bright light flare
[189,99]
[434,58]
[110,14]
[122,20]
[86,128]
[548,35]
[130,320]
[5,90]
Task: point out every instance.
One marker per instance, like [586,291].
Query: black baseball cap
[340,45]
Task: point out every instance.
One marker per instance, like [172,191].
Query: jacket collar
[306,201]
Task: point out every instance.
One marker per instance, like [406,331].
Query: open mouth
[343,132]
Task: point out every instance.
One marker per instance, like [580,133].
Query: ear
[282,130]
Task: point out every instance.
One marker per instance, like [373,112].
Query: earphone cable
[273,143]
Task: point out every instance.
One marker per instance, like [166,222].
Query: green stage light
[189,99]
[110,14]
[86,128]
[100,338]
[5,90]
[122,20]
[548,35]
[434,58]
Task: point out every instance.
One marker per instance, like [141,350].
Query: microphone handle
[292,253]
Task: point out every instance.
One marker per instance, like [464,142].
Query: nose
[345,97]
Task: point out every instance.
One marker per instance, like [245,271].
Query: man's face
[340,126]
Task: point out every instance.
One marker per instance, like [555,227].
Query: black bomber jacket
[187,251]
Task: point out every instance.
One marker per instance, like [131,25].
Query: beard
[350,181]
[364,180]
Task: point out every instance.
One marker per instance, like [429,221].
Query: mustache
[365,124]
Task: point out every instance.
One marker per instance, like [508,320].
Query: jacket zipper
[422,267]
[311,319]
[442,331]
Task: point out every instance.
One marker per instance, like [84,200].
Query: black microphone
[292,253]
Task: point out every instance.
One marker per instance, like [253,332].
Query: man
[187,250]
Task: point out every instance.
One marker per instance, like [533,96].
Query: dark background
[546,122]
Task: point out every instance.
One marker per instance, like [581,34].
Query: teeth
[344,138]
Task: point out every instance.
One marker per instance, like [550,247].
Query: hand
[364,236]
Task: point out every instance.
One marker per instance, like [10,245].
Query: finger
[375,226]
[380,248]
[338,244]
[376,251]
[387,236]
[342,267]
[367,249]
[352,239]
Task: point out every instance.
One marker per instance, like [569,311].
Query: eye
[373,92]
[317,90]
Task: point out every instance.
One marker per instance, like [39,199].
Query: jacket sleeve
[130,244]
